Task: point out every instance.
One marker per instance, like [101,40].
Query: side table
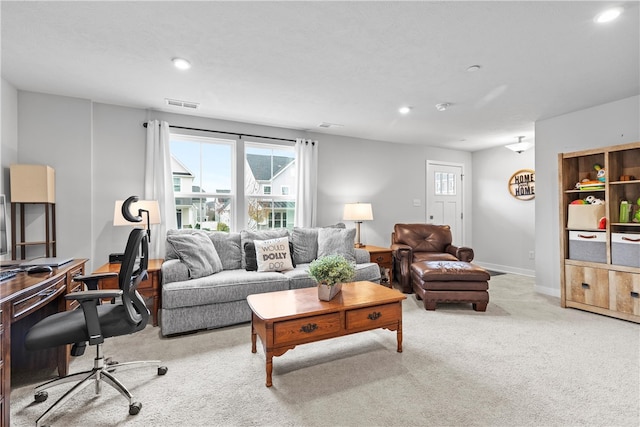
[384,258]
[149,288]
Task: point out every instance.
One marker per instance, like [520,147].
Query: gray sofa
[207,276]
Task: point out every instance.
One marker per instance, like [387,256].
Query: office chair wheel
[41,396]
[134,408]
[162,370]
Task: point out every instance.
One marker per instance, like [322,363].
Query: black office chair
[94,322]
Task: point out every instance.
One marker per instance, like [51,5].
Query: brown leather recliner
[422,242]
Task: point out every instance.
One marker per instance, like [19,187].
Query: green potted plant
[331,272]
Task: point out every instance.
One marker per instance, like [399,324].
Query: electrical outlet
[417,202]
[532,255]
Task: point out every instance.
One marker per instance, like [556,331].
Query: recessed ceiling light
[181,63]
[608,15]
[404,110]
[473,68]
[443,106]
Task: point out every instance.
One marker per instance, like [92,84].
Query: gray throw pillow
[196,250]
[228,247]
[305,243]
[337,241]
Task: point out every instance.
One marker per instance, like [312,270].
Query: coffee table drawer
[373,317]
[306,328]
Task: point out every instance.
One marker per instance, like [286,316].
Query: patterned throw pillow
[273,254]
[250,256]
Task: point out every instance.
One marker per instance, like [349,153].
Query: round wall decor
[522,184]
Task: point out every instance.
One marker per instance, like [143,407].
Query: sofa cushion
[250,236]
[305,243]
[196,250]
[273,254]
[337,241]
[231,285]
[251,262]
[228,246]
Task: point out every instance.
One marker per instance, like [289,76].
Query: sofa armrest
[174,270]
[463,253]
[362,256]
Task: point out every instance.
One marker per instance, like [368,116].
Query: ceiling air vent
[182,104]
[329,125]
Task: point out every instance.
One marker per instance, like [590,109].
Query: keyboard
[7,274]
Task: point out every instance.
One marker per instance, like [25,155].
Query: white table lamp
[358,212]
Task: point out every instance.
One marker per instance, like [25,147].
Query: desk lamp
[358,212]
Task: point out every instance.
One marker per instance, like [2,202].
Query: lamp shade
[32,184]
[146,205]
[358,212]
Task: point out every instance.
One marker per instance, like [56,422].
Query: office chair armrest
[94,295]
[91,280]
[89,301]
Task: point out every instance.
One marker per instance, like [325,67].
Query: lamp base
[359,245]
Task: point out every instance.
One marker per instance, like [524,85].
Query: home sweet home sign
[522,184]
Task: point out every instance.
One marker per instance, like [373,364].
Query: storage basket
[584,217]
[588,246]
[625,249]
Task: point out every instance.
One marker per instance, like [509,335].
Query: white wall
[387,175]
[504,227]
[604,125]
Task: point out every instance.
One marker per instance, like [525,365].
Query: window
[203,181]
[266,166]
[445,184]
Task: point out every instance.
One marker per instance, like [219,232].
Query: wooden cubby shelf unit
[600,267]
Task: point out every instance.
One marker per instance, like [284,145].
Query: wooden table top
[294,303]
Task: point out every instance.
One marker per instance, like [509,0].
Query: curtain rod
[240,135]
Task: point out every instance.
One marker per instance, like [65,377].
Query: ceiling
[352,64]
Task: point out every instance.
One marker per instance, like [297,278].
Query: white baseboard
[506,269]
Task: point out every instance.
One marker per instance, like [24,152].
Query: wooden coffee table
[285,319]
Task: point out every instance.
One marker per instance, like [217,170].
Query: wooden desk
[149,288]
[24,300]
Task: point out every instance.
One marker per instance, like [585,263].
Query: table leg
[269,367]
[253,339]
[400,336]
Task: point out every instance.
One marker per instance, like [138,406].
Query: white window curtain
[158,184]
[307,175]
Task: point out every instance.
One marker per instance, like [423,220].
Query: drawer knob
[585,286]
[635,294]
[375,315]
[308,328]
[379,259]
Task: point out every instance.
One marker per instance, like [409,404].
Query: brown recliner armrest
[463,253]
[402,259]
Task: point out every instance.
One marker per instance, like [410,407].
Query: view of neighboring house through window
[269,166]
[208,188]
[203,181]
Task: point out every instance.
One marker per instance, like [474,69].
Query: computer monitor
[4,239]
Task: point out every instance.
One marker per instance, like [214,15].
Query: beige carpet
[524,362]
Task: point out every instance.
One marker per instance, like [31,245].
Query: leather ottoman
[450,281]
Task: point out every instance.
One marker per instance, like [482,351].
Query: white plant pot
[326,292]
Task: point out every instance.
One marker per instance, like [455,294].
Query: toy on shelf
[589,200]
[600,172]
[636,217]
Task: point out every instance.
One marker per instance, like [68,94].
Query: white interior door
[444,197]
